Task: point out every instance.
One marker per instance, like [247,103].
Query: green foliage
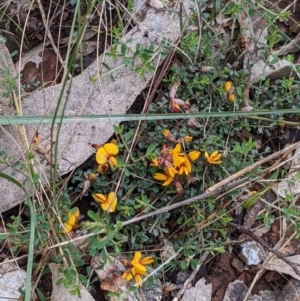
[138,58]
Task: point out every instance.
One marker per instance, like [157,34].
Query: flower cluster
[175,163]
[71,223]
[137,268]
[106,156]
[107,203]
[229,91]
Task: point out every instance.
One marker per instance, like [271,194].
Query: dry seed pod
[206,69]
[173,90]
[243,43]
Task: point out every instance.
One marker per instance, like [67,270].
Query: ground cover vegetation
[121,201]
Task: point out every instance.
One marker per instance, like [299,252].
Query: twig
[159,77]
[191,277]
[183,203]
[265,245]
[293,123]
[249,168]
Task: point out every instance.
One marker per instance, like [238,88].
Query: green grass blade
[30,251]
[26,120]
[13,180]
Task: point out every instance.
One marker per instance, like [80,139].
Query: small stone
[251,253]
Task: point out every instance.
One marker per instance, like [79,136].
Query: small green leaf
[94,216]
[104,255]
[35,178]
[101,244]
[254,198]
[106,66]
[3,39]
[107,217]
[40,294]
[150,149]
[273,60]
[112,79]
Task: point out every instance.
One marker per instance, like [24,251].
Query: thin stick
[265,245]
[249,168]
[181,204]
[273,120]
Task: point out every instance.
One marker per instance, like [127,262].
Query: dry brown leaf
[280,266]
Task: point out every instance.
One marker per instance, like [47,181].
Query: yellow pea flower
[231,98]
[166,133]
[227,86]
[72,219]
[139,263]
[106,154]
[154,162]
[163,177]
[213,158]
[185,166]
[177,156]
[138,267]
[108,203]
[92,176]
[187,139]
[193,155]
[170,170]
